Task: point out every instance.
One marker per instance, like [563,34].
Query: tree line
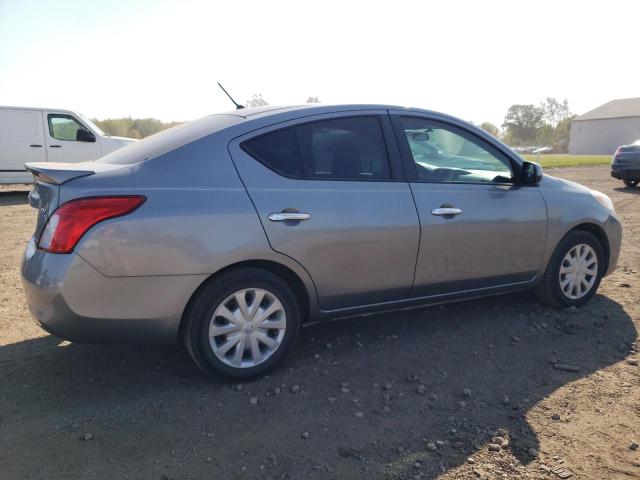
[547,124]
[143,127]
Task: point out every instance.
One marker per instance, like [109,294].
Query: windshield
[92,125]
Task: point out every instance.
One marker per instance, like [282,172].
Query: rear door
[21,139]
[61,143]
[479,228]
[330,194]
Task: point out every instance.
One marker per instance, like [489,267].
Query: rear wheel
[242,324]
[574,271]
[631,182]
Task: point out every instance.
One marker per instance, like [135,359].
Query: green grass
[566,160]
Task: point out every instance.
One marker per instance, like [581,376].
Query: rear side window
[337,149]
[278,151]
[344,149]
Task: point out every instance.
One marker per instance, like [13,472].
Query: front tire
[631,183]
[241,324]
[574,271]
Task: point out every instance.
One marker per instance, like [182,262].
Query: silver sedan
[232,231]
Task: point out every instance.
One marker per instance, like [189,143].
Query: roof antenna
[238,106]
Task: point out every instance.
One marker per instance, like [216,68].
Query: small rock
[253,400]
[433,397]
[632,361]
[209,459]
[462,404]
[359,415]
[567,367]
[344,390]
[440,443]
[411,378]
[471,460]
[501,432]
[555,416]
[571,309]
[346,452]
[633,445]
[533,452]
[277,391]
[305,435]
[421,389]
[387,409]
[328,345]
[331,399]
[498,440]
[238,387]
[89,436]
[494,447]
[466,392]
[295,389]
[431,447]
[505,400]
[272,457]
[388,386]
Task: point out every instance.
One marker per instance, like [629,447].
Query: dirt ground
[414,394]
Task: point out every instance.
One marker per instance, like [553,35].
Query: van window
[63,127]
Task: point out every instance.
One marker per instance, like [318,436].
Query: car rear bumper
[73,301]
[625,173]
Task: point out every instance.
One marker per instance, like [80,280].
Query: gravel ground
[496,388]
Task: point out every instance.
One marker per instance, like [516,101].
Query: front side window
[64,127]
[447,154]
[338,149]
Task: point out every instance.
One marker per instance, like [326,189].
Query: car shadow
[635,190]
[371,392]
[13,197]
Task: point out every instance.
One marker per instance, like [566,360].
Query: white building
[603,129]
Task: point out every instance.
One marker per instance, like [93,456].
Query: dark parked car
[626,164]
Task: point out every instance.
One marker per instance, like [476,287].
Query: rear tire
[570,280]
[242,323]
[631,183]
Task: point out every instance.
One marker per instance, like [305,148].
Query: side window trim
[394,159]
[62,115]
[410,165]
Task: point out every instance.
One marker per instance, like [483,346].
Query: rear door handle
[55,146]
[283,216]
[446,211]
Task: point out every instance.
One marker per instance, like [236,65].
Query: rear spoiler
[58,173]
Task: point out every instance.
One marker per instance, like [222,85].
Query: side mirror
[531,173]
[83,135]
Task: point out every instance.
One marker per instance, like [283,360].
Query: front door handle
[55,146]
[446,211]
[292,216]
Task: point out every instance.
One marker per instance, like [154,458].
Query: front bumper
[72,300]
[613,229]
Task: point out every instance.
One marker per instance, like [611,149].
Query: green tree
[490,128]
[522,123]
[133,128]
[555,111]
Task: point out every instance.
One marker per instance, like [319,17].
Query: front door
[330,195]
[61,142]
[479,229]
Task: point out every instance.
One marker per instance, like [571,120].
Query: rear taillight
[71,220]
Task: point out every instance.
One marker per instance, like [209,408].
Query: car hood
[549,182]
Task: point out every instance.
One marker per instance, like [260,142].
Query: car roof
[316,108]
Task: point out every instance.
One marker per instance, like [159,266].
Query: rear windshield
[169,139]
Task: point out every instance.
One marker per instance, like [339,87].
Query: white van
[46,135]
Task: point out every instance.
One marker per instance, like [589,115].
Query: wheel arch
[598,232]
[298,286]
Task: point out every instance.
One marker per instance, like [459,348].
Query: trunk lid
[50,178]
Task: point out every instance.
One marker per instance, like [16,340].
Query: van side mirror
[530,174]
[83,135]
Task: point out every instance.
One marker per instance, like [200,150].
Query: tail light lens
[71,220]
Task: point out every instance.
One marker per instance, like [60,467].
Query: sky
[162,59]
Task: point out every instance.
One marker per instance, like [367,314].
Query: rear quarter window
[278,151]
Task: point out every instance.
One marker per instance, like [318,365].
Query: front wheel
[631,183]
[242,324]
[574,271]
